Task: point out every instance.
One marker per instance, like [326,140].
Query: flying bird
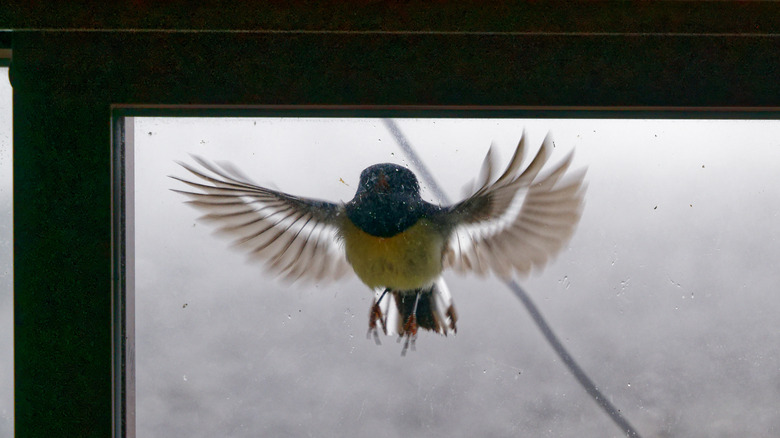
[394,241]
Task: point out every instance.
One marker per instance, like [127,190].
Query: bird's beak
[381,183]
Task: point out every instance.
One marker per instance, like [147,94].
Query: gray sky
[664,294]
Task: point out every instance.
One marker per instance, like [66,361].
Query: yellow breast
[406,261]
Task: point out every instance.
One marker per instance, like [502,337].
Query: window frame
[72,89]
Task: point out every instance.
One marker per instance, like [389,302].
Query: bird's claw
[410,333]
[453,316]
[376,315]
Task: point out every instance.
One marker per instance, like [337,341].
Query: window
[70,86]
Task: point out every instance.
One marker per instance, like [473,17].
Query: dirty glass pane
[6,260]
[665,295]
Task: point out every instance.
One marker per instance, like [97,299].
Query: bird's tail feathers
[435,309]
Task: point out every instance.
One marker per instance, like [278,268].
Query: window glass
[665,294]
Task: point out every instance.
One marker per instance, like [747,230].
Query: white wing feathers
[295,236]
[497,230]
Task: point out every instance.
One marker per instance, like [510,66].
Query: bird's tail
[432,307]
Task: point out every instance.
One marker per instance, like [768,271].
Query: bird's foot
[453,318]
[375,314]
[410,333]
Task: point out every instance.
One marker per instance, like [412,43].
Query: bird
[393,240]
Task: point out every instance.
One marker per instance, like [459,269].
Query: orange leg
[453,318]
[375,314]
[410,327]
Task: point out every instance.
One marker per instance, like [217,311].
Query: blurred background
[665,295]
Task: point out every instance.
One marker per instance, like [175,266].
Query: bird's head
[388,178]
[387,200]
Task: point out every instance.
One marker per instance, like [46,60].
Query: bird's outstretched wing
[498,229]
[294,236]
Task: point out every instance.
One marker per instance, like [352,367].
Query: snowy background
[666,294]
